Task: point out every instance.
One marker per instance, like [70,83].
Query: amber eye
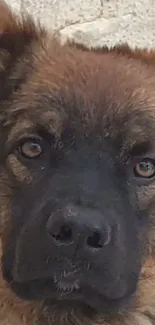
[145,168]
[30,149]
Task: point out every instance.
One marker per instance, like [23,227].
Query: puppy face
[78,165]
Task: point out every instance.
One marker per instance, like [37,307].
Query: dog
[77,180]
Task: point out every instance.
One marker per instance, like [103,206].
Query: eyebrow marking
[19,128]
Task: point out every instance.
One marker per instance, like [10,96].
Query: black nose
[76,225]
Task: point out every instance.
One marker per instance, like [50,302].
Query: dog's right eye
[30,149]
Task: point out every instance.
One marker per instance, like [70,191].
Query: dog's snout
[80,226]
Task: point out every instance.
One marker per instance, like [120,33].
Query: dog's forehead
[88,91]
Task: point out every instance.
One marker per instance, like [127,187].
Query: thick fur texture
[40,80]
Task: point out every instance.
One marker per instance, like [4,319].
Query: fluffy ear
[16,35]
[15,32]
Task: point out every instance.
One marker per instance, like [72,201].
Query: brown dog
[77,181]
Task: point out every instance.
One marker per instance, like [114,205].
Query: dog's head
[77,167]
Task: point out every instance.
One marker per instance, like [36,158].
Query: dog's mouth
[72,292]
[56,287]
[73,286]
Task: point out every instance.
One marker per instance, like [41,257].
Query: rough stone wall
[96,22]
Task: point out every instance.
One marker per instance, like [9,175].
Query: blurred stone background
[96,22]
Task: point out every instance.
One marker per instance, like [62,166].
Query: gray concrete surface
[96,22]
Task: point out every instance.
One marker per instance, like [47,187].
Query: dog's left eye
[30,149]
[145,168]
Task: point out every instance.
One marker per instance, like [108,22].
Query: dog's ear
[16,32]
[16,36]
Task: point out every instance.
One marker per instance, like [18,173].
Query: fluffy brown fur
[34,63]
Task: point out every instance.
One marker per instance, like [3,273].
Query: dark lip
[83,294]
[41,290]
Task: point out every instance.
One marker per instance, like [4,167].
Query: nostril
[64,234]
[95,240]
[98,240]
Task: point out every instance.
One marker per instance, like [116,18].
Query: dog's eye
[145,168]
[30,149]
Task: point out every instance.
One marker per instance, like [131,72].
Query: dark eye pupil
[146,165]
[31,149]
